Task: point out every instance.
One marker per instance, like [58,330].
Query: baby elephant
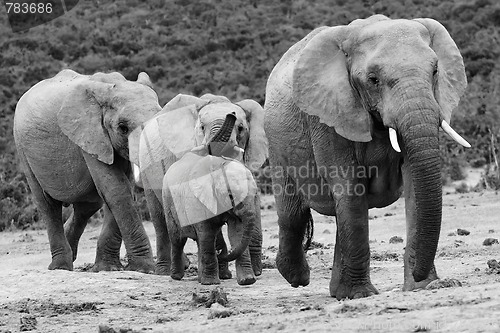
[203,191]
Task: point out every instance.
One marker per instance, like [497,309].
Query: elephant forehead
[390,31]
[218,111]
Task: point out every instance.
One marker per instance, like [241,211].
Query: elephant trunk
[418,128]
[219,141]
[242,245]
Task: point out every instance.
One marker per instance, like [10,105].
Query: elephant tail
[308,236]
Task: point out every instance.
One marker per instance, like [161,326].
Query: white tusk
[393,136]
[137,174]
[454,135]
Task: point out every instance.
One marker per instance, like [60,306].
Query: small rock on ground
[219,311]
[463,232]
[490,241]
[444,283]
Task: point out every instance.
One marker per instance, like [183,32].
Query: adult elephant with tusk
[73,134]
[335,104]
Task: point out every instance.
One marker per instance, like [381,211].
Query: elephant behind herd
[358,106]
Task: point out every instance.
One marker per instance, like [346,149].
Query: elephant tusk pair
[454,135]
[393,136]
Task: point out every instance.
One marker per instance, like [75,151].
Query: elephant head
[102,112]
[199,119]
[394,80]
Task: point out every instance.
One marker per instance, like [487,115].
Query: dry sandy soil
[33,298]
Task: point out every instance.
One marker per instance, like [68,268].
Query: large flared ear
[321,86]
[215,98]
[452,79]
[81,119]
[182,100]
[256,150]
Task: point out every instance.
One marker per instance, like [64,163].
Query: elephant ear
[452,79]
[143,78]
[215,98]
[183,100]
[256,150]
[80,118]
[321,86]
[202,184]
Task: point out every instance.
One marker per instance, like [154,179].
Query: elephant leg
[411,233]
[208,266]
[163,245]
[114,188]
[293,218]
[224,272]
[178,266]
[351,263]
[256,242]
[108,245]
[51,213]
[76,223]
[244,270]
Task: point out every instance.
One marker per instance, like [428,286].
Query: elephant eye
[202,128]
[240,128]
[123,128]
[373,79]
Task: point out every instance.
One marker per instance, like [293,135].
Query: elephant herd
[350,122]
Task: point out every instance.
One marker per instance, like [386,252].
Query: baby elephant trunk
[243,244]
[218,143]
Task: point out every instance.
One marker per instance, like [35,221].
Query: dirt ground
[33,298]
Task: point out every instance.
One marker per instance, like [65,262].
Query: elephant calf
[73,137]
[201,193]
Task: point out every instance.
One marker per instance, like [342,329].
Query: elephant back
[203,187]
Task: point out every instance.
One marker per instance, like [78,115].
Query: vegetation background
[229,47]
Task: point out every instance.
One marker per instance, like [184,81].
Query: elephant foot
[257,266]
[141,265]
[246,280]
[294,270]
[107,266]
[177,275]
[410,284]
[162,269]
[185,260]
[345,290]
[224,272]
[62,262]
[209,280]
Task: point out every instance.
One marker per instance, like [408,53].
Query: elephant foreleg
[411,231]
[351,264]
[208,266]
[293,218]
[108,245]
[76,223]
[224,272]
[244,270]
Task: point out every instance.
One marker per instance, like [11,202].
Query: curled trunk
[243,244]
[219,141]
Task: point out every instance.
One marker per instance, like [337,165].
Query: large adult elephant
[335,102]
[185,123]
[72,135]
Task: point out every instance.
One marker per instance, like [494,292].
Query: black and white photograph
[249,166]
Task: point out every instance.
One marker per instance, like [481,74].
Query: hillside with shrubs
[229,47]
